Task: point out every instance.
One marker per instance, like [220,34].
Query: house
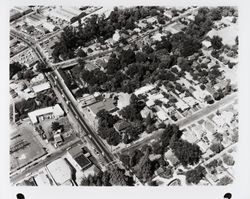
[207,44]
[222,85]
[189,136]
[226,141]
[144,89]
[121,125]
[77,159]
[38,79]
[157,37]
[168,13]
[181,105]
[203,146]
[190,101]
[106,104]
[170,156]
[144,112]
[162,115]
[191,17]
[116,36]
[198,131]
[90,66]
[159,171]
[150,103]
[53,111]
[58,140]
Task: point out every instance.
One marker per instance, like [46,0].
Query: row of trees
[132,114]
[151,65]
[42,100]
[99,28]
[188,154]
[15,67]
[112,177]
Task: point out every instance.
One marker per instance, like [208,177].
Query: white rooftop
[161,115]
[55,110]
[41,87]
[180,104]
[37,78]
[144,89]
[60,171]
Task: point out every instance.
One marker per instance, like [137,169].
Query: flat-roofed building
[60,171]
[43,178]
[77,159]
[55,111]
[107,105]
[41,87]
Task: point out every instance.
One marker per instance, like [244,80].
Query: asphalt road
[184,122]
[38,164]
[99,145]
[72,62]
[108,156]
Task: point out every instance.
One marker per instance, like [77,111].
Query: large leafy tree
[216,42]
[195,175]
[187,153]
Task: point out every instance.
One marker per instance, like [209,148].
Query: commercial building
[26,57]
[43,178]
[60,171]
[77,158]
[41,87]
[48,112]
[107,105]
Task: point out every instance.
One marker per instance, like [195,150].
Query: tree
[162,125]
[81,53]
[187,153]
[106,119]
[15,67]
[168,134]
[195,175]
[146,171]
[217,147]
[132,111]
[125,159]
[131,133]
[114,137]
[215,14]
[55,126]
[117,177]
[216,42]
[141,57]
[127,57]
[135,157]
[149,120]
[237,40]
[40,67]
[113,65]
[228,159]
[225,181]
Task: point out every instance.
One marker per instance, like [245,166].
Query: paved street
[36,165]
[184,122]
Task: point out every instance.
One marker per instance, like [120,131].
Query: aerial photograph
[123,96]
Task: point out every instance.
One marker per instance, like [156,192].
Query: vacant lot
[24,147]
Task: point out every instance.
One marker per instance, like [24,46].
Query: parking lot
[24,147]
